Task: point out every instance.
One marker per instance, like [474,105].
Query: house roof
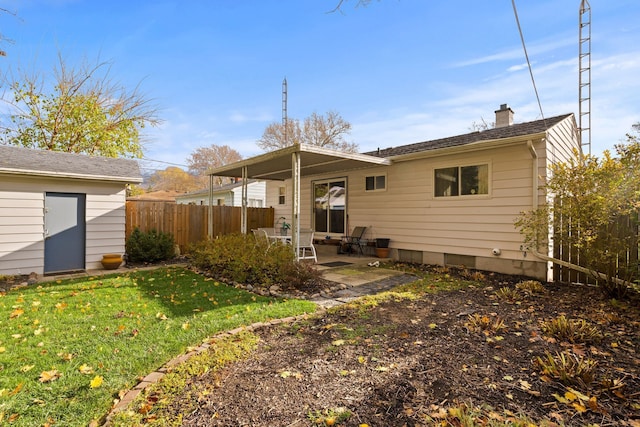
[26,161]
[315,160]
[516,130]
[220,189]
[157,196]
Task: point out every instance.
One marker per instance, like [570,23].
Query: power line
[515,12]
[163,162]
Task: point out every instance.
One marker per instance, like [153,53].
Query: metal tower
[584,78]
[284,110]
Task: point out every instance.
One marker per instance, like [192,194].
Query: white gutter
[68,175]
[474,146]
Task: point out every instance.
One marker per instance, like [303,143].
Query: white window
[281,195]
[461,181]
[375,183]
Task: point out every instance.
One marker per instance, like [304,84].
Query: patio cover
[292,163]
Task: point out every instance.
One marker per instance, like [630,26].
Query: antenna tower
[284,110]
[584,78]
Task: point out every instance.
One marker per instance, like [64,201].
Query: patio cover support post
[243,214]
[295,205]
[210,209]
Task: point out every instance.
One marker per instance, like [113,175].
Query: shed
[60,212]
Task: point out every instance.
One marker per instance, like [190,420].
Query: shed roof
[26,161]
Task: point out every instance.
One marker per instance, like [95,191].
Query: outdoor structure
[61,212]
[450,201]
[227,195]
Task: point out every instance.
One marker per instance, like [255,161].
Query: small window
[281,195]
[373,183]
[462,181]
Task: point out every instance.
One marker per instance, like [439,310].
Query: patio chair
[306,244]
[354,240]
[262,236]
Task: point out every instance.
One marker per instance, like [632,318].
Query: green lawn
[67,348]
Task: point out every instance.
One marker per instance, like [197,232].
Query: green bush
[243,259]
[149,246]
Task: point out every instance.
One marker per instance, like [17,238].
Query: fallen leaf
[16,313]
[96,381]
[85,369]
[48,376]
[338,343]
[525,384]
[285,374]
[579,407]
[560,398]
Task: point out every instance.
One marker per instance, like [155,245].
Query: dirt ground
[405,362]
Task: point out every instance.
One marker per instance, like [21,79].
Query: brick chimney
[504,116]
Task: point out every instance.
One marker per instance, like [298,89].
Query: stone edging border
[158,374]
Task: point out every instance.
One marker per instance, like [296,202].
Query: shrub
[573,331]
[302,275]
[531,287]
[243,259]
[484,323]
[568,368]
[150,246]
[508,294]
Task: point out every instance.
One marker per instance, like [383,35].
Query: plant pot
[111,261]
[382,252]
[382,242]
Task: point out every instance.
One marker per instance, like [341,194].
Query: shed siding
[22,220]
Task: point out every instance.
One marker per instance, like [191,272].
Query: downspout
[534,178]
[551,260]
[534,204]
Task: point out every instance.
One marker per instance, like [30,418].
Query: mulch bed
[400,362]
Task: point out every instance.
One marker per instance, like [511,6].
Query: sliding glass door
[330,202]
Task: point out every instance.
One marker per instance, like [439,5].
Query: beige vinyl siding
[105,215]
[21,231]
[562,140]
[409,214]
[22,220]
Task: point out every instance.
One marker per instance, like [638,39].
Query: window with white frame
[461,181]
[330,198]
[281,195]
[375,183]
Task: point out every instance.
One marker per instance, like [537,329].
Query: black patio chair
[354,240]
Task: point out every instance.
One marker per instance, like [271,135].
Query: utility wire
[526,55]
[160,161]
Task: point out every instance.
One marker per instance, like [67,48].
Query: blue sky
[400,71]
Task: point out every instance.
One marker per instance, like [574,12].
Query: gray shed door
[64,223]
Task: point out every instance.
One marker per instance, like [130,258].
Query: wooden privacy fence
[190,223]
[626,229]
